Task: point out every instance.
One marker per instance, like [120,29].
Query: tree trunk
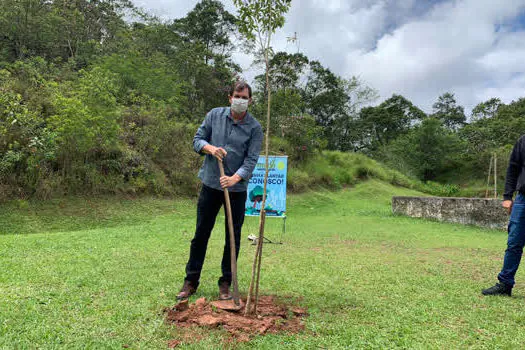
[256,267]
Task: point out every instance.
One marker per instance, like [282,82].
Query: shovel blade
[228,305]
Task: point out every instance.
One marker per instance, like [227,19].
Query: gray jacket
[242,141]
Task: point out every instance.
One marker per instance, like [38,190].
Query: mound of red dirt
[272,317]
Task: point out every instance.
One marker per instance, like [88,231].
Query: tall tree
[382,124]
[487,109]
[509,123]
[428,150]
[335,102]
[204,54]
[504,128]
[449,112]
[26,29]
[209,24]
[285,71]
[59,28]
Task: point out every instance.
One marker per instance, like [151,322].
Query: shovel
[233,256]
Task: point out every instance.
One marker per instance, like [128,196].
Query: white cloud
[419,49]
[166,9]
[453,48]
[507,89]
[507,55]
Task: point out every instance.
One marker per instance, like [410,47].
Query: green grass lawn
[96,274]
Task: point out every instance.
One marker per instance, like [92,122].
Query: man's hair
[240,86]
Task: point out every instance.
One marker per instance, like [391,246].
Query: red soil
[272,317]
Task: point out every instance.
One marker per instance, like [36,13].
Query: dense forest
[99,97]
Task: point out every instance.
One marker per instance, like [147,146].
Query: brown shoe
[187,290]
[224,291]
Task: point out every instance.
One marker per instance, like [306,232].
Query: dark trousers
[209,204]
[515,242]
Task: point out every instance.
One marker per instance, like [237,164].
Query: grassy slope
[336,170]
[369,279]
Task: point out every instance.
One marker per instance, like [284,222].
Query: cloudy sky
[416,48]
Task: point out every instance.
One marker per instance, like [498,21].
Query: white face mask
[239,105]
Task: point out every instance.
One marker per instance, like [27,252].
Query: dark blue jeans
[515,242]
[210,202]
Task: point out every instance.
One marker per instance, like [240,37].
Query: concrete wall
[469,211]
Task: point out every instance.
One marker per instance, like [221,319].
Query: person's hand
[217,152]
[507,205]
[229,181]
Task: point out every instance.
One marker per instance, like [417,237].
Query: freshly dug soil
[272,317]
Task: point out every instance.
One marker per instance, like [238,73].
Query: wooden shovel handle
[233,251]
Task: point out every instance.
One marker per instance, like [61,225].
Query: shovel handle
[233,251]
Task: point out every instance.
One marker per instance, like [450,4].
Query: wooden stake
[263,221]
[495,175]
[488,178]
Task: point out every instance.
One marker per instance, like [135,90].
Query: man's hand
[217,152]
[507,205]
[229,181]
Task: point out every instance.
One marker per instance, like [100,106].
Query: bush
[437,189]
[298,180]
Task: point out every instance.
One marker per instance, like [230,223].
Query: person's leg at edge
[514,251]
[515,242]
[238,202]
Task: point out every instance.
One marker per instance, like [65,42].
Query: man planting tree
[516,240]
[234,136]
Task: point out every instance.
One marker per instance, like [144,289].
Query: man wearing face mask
[234,136]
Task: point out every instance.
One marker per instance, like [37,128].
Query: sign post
[275,191]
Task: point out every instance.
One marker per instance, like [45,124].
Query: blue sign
[275,190]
